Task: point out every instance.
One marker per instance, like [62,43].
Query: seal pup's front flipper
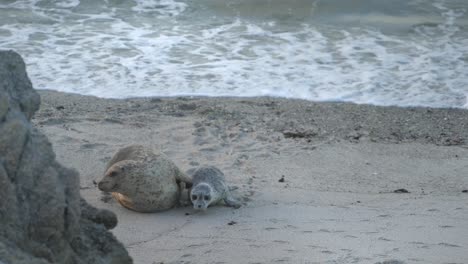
[183,178]
[185,184]
[184,199]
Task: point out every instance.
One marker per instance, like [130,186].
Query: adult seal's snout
[101,186]
[104,186]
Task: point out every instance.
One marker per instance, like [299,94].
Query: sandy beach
[362,184]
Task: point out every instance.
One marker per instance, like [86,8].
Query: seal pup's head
[201,196]
[116,176]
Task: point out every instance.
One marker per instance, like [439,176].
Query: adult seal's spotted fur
[209,187]
[142,180]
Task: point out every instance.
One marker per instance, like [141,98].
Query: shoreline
[279,98]
[440,126]
[342,163]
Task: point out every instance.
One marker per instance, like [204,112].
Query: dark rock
[98,216]
[188,106]
[60,107]
[299,133]
[282,179]
[43,218]
[392,261]
[113,120]
[194,163]
[155,100]
[354,135]
[465,191]
[401,191]
[232,223]
[177,114]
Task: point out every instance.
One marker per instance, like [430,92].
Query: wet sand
[362,184]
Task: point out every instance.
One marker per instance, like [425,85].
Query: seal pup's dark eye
[194,197]
[207,197]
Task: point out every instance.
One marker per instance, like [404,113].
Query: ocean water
[399,52]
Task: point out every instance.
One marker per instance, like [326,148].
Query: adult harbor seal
[209,187]
[142,180]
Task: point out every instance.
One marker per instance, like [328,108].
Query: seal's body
[142,180]
[209,187]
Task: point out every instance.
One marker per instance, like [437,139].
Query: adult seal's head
[119,175]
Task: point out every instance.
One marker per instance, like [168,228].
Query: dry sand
[341,165]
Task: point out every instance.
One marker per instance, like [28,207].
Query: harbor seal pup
[143,181]
[209,187]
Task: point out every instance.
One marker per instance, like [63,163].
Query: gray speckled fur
[142,180]
[209,181]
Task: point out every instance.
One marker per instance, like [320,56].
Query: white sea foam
[117,55]
[67,3]
[21,4]
[166,7]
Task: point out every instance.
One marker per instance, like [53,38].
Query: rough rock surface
[43,218]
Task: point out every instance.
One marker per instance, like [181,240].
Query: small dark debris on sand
[282,179]
[299,133]
[187,213]
[232,223]
[187,106]
[465,191]
[392,261]
[401,191]
[60,107]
